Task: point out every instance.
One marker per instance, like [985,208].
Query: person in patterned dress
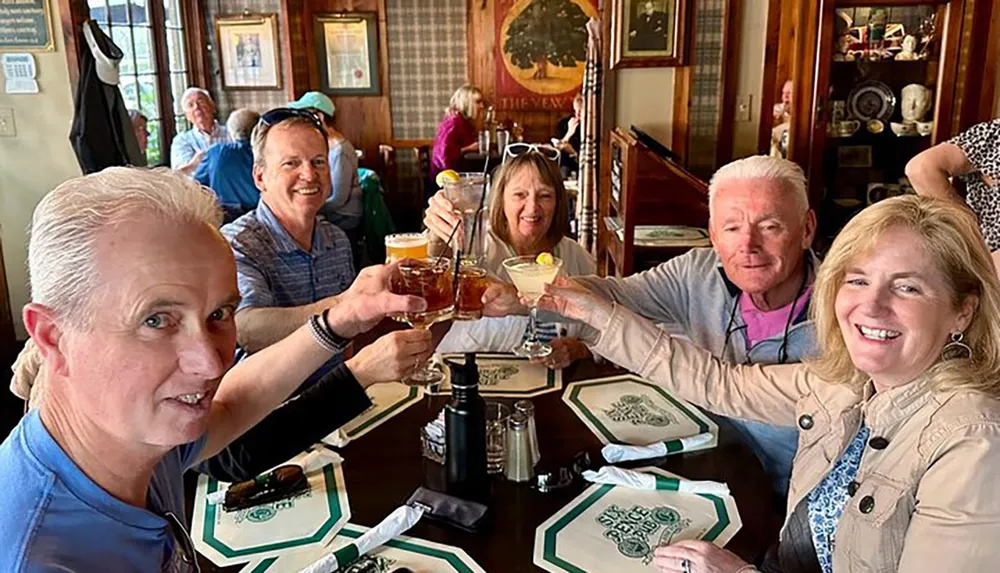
[972,157]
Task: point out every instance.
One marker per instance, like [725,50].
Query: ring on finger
[685,566]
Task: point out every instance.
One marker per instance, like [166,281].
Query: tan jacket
[928,493]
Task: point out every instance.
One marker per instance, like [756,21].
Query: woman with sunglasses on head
[899,414]
[458,131]
[528,215]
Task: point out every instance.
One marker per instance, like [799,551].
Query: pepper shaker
[518,465]
[527,408]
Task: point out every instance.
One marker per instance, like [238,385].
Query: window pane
[122,37]
[182,123]
[140,12]
[149,97]
[173,8]
[98,11]
[153,149]
[127,86]
[178,83]
[118,11]
[175,50]
[144,57]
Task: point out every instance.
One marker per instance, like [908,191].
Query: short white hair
[67,224]
[193,91]
[763,167]
[241,123]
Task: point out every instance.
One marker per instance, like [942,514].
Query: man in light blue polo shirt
[291,263]
[189,146]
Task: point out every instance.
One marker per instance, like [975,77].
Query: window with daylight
[154,70]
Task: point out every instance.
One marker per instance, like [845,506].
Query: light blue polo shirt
[54,518]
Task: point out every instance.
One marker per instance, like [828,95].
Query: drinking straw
[475,225]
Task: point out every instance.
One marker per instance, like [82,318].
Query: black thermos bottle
[465,433]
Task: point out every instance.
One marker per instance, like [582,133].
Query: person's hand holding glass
[430,280]
[530,275]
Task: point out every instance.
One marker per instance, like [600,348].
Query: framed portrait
[347,53]
[248,51]
[649,33]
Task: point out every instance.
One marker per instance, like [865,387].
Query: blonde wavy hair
[463,101]
[952,239]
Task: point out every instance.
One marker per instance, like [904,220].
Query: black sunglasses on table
[280,114]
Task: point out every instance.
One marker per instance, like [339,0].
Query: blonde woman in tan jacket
[899,417]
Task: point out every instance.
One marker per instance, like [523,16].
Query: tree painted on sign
[547,32]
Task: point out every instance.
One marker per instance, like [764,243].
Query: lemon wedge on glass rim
[447,176]
[545,259]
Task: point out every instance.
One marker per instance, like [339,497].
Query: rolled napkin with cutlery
[638,480]
[400,520]
[614,453]
[287,479]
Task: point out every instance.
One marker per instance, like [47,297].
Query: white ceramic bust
[916,102]
[909,51]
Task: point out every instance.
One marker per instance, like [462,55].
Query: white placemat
[410,552]
[614,528]
[506,376]
[626,409]
[271,529]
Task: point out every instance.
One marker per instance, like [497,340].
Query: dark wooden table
[385,466]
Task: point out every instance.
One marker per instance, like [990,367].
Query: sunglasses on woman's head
[278,115]
[547,151]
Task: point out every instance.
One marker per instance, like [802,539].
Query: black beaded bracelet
[324,335]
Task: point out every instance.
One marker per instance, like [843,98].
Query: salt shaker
[528,409]
[518,466]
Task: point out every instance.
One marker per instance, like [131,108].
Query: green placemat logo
[631,529]
[639,410]
[266,512]
[493,375]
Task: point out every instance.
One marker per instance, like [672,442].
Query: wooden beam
[768,92]
[977,103]
[72,15]
[195,41]
[730,71]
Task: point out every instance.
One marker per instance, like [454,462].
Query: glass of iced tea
[431,280]
[472,285]
[405,246]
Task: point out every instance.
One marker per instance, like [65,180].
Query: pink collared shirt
[764,324]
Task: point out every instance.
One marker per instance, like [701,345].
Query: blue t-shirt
[56,519]
[227,169]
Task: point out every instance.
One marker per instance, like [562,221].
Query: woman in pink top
[457,132]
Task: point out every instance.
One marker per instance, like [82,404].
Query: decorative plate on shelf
[871,100]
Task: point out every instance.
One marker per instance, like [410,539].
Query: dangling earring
[956,348]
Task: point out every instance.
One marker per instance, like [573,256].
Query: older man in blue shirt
[227,168]
[189,146]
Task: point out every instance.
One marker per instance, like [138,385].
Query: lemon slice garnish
[447,176]
[545,259]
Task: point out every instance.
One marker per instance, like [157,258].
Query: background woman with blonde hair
[899,417]
[458,132]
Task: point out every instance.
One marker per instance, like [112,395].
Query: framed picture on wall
[248,51]
[649,33]
[347,53]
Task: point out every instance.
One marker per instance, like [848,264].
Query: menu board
[25,25]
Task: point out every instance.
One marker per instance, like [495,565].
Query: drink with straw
[405,246]
[530,275]
[432,281]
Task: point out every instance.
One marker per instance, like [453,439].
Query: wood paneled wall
[364,120]
[539,126]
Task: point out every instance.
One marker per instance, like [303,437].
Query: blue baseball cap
[315,100]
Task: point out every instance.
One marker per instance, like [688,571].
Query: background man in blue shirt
[227,168]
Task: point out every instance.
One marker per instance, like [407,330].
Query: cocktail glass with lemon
[530,275]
